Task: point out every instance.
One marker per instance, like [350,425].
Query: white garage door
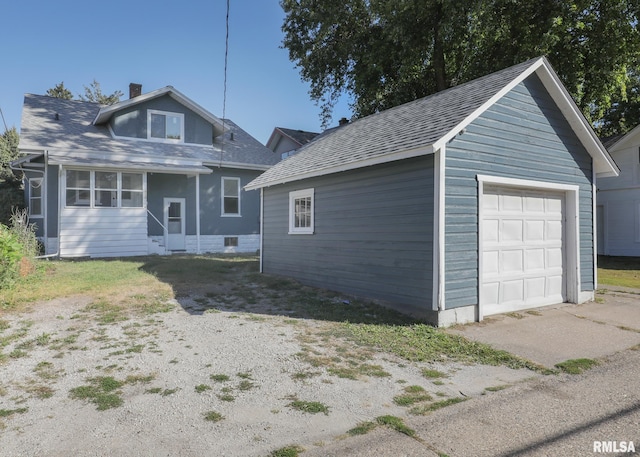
[522,249]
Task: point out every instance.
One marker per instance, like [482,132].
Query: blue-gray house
[473,201]
[154,174]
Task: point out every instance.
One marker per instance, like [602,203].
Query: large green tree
[11,195]
[386,53]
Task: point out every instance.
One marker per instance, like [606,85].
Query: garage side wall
[373,234]
[524,136]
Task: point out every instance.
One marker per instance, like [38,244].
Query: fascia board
[486,105]
[347,167]
[603,162]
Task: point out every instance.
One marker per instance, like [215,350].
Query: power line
[3,121]
[224,90]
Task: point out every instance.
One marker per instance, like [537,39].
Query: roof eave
[400,155]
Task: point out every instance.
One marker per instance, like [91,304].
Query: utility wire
[3,121]
[224,91]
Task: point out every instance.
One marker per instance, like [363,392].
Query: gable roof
[66,130]
[106,112]
[624,140]
[300,137]
[425,125]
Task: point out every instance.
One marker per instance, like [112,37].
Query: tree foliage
[93,93]
[387,53]
[8,152]
[59,91]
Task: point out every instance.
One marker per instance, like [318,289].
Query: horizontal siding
[103,232]
[521,136]
[373,233]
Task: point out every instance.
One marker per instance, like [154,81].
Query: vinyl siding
[373,233]
[103,232]
[160,185]
[522,136]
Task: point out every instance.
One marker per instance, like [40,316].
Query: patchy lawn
[619,271]
[202,355]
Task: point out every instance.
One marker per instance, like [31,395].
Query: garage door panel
[535,259]
[511,230]
[523,255]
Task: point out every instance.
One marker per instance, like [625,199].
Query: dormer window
[165,126]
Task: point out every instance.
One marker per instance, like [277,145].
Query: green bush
[10,255]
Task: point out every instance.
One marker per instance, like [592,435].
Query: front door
[174,224]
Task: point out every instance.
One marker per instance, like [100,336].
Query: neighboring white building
[618,200]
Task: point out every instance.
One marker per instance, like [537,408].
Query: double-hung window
[104,189]
[230,196]
[301,209]
[35,197]
[165,126]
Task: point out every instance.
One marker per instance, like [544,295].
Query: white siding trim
[261,230]
[439,230]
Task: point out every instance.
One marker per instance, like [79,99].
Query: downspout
[261,227]
[595,227]
[197,213]
[45,203]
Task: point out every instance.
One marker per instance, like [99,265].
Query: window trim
[296,195]
[31,197]
[151,112]
[223,196]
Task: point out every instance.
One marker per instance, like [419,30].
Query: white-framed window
[78,187]
[301,209]
[35,197]
[132,190]
[165,126]
[230,196]
[104,189]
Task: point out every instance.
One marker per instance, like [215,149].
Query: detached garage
[474,201]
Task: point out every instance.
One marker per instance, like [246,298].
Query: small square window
[166,126]
[301,212]
[230,241]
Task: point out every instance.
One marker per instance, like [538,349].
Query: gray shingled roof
[73,132]
[301,136]
[414,125]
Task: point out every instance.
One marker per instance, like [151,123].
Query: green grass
[202,388]
[362,428]
[619,271]
[411,396]
[104,391]
[219,377]
[423,343]
[576,366]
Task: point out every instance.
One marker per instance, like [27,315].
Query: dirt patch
[207,377]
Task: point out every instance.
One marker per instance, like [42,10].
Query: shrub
[18,247]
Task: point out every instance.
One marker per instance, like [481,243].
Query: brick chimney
[135,90]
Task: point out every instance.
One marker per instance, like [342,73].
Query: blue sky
[175,43]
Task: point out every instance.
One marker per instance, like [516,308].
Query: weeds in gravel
[288,451]
[202,388]
[422,410]
[433,374]
[396,424]
[11,412]
[104,391]
[412,395]
[219,377]
[311,407]
[362,428]
[213,416]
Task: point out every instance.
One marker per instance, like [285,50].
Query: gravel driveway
[197,380]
